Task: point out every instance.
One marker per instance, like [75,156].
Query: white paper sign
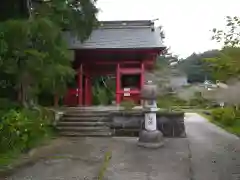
[126,92]
[150,122]
[126,89]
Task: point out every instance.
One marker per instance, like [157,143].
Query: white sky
[187,23]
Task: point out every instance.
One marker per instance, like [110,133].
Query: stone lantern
[150,136]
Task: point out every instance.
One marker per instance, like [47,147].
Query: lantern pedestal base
[150,139]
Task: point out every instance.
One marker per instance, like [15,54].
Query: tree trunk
[23,91]
[56,100]
[24,100]
[22,96]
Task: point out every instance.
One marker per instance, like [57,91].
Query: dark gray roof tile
[120,34]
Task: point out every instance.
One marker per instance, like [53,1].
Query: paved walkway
[215,154]
[72,159]
[208,153]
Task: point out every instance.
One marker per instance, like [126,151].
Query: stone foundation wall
[171,124]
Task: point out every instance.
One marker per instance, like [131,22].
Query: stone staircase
[84,122]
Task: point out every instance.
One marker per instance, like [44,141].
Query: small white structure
[221,85]
[209,85]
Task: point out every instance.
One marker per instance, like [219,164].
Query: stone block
[171,124]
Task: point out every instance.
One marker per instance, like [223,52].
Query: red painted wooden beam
[121,50]
[132,91]
[116,62]
[130,70]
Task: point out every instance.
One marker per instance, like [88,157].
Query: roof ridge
[128,23]
[124,27]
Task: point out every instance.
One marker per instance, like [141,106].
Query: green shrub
[127,104]
[198,101]
[169,101]
[22,129]
[229,117]
[6,104]
[100,96]
[103,96]
[217,114]
[225,116]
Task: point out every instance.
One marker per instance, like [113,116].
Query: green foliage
[103,96]
[226,116]
[37,57]
[33,51]
[22,129]
[199,101]
[34,59]
[78,16]
[14,9]
[217,113]
[128,104]
[100,95]
[196,68]
[231,35]
[226,65]
[169,101]
[103,90]
[6,104]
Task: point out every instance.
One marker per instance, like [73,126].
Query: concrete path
[215,154]
[73,159]
[134,163]
[208,153]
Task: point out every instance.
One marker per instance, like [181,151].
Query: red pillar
[142,79]
[80,77]
[88,90]
[118,85]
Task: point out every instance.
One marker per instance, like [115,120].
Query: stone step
[85,119]
[86,113]
[84,116]
[82,128]
[86,134]
[82,123]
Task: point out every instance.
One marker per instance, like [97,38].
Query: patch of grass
[107,157]
[234,129]
[208,117]
[8,158]
[11,157]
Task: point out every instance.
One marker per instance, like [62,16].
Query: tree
[196,68]
[231,36]
[227,64]
[32,48]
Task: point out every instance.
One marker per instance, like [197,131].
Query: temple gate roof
[139,34]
